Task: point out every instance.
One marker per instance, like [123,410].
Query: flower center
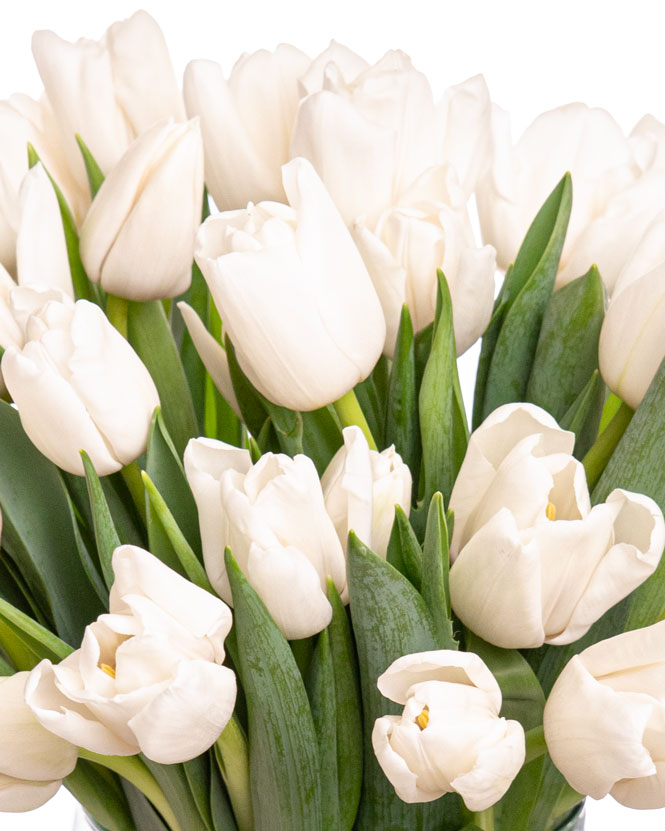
[550,511]
[422,720]
[107,669]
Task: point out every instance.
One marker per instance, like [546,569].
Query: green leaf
[288,425]
[232,760]
[106,535]
[249,401]
[404,551]
[284,760]
[42,642]
[435,401]
[196,296]
[583,417]
[174,784]
[371,404]
[38,534]
[390,619]
[402,428]
[567,351]
[151,337]
[145,816]
[197,774]
[100,794]
[83,288]
[322,436]
[349,746]
[182,549]
[222,815]
[321,691]
[522,301]
[436,564]
[93,170]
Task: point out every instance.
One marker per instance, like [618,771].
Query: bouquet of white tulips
[256,572]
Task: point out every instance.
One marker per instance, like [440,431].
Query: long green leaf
[101,796]
[436,564]
[583,417]
[106,535]
[43,642]
[402,428]
[284,758]
[523,300]
[173,782]
[390,619]
[249,401]
[404,551]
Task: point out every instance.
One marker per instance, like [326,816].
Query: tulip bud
[449,737]
[137,240]
[33,761]
[587,142]
[273,518]
[631,345]
[402,256]
[41,249]
[361,489]
[533,562]
[246,122]
[604,720]
[108,91]
[148,676]
[293,294]
[77,383]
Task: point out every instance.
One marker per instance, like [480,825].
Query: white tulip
[148,676]
[449,737]
[137,240]
[380,125]
[533,562]
[403,254]
[77,383]
[246,122]
[41,250]
[10,331]
[361,488]
[33,761]
[108,91]
[647,139]
[273,518]
[587,142]
[632,345]
[23,120]
[294,294]
[604,720]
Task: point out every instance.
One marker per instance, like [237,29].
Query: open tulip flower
[533,561]
[605,719]
[450,736]
[148,676]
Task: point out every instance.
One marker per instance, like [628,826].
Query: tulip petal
[212,354]
[18,795]
[400,776]
[186,718]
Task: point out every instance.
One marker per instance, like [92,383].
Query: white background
[535,55]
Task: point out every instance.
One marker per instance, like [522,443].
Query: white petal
[17,795]
[404,780]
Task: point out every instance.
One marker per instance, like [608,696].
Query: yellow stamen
[107,669]
[550,511]
[422,720]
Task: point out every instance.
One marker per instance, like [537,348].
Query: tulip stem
[484,819]
[598,456]
[350,413]
[131,473]
[135,771]
[535,744]
[232,756]
[116,311]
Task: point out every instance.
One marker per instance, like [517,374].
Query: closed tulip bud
[604,720]
[587,142]
[137,240]
[148,676]
[246,122]
[402,256]
[294,294]
[380,125]
[33,761]
[77,383]
[108,91]
[273,518]
[361,489]
[41,249]
[631,345]
[449,737]
[533,562]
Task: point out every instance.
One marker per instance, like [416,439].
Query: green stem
[131,473]
[232,756]
[349,411]
[484,819]
[535,744]
[133,770]
[598,456]
[116,311]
